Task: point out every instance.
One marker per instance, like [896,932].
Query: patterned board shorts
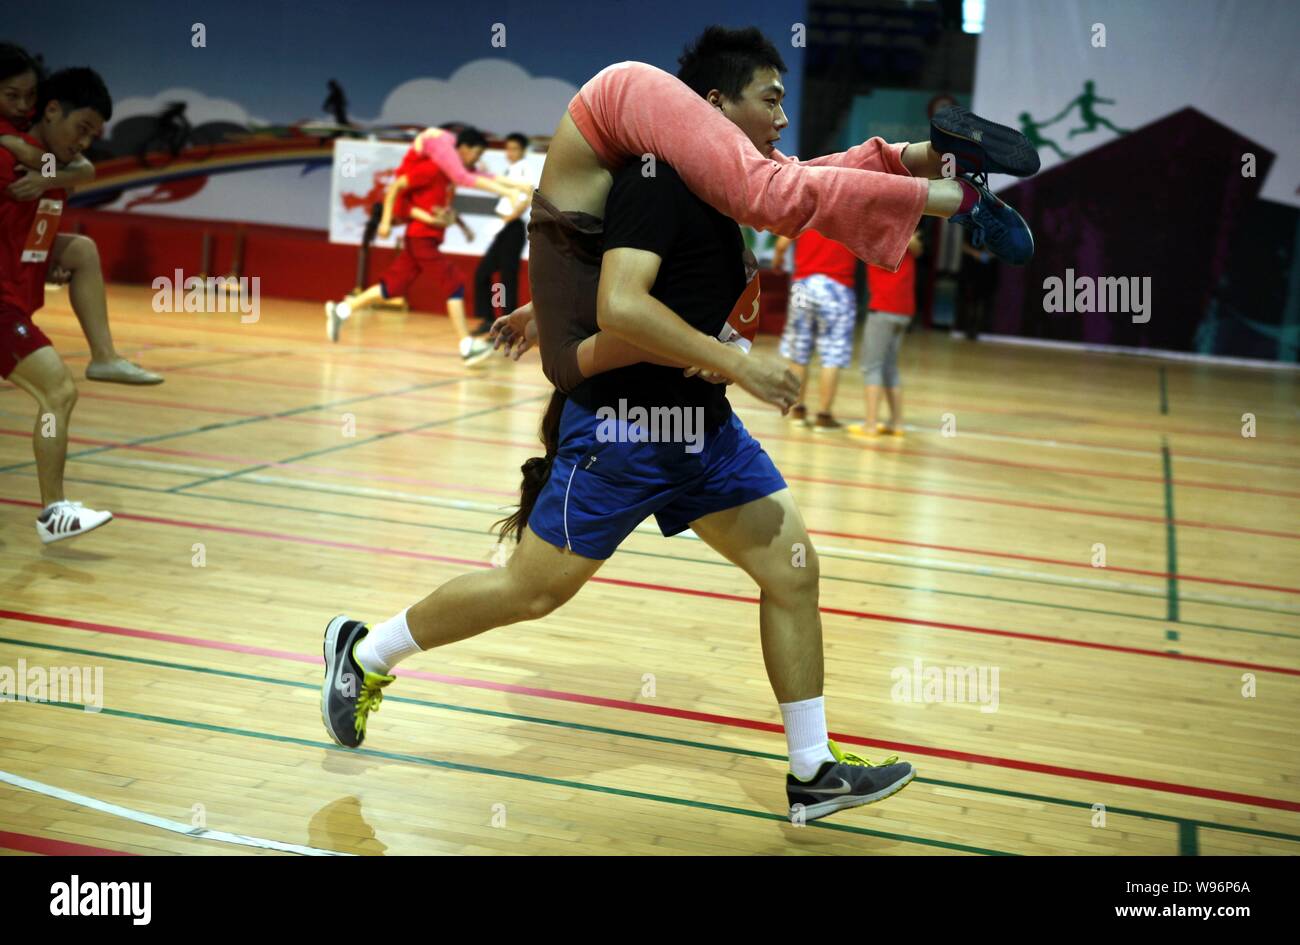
[824,310]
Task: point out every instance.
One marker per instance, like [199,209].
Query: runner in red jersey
[74,258]
[437,162]
[72,107]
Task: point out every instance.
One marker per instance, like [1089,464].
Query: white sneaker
[474,350]
[66,519]
[332,321]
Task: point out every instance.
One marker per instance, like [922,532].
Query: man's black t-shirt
[701,278]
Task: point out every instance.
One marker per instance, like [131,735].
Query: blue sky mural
[270,59]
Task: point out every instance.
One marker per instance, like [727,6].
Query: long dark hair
[536,470]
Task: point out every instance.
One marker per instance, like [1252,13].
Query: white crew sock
[343,309]
[466,344]
[805,736]
[386,645]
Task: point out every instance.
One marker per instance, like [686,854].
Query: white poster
[362,172]
[1074,74]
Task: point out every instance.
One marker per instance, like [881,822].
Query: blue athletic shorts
[598,492]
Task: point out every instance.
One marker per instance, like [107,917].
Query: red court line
[692,592]
[47,847]
[1045,507]
[729,721]
[1058,561]
[1090,474]
[1085,421]
[852,536]
[299,338]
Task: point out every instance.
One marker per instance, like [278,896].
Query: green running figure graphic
[1091,119]
[1029,128]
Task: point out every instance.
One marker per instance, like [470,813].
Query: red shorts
[420,254]
[19,337]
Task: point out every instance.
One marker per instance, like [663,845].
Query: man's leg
[873,407]
[895,397]
[874,342]
[483,274]
[396,280]
[456,312]
[79,257]
[797,342]
[473,351]
[44,375]
[767,539]
[889,374]
[836,313]
[511,253]
[827,383]
[336,313]
[537,579]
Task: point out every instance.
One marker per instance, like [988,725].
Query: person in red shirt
[824,309]
[71,109]
[421,192]
[892,305]
[74,258]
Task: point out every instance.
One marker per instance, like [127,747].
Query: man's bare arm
[626,309]
[605,351]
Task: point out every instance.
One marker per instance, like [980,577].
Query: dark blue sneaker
[995,226]
[981,146]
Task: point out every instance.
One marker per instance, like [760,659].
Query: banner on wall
[363,170]
[1170,170]
[1076,75]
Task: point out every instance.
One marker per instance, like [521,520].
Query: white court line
[194,833]
[883,557]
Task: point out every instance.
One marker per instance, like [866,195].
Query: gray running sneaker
[848,781]
[349,693]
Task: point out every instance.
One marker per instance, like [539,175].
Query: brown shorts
[564,253]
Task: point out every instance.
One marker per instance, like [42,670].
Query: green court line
[531,778]
[840,472]
[242,421]
[1164,395]
[345,446]
[642,736]
[1187,845]
[714,563]
[1171,545]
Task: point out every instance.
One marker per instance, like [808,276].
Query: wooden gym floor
[1144,707]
